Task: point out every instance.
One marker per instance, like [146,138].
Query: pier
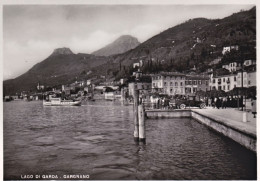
[237,125]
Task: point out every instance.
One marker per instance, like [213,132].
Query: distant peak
[120,45]
[62,51]
[127,37]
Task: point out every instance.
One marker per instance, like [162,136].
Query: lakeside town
[234,84]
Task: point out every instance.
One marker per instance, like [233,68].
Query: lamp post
[242,77]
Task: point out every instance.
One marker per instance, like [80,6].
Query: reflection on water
[97,139]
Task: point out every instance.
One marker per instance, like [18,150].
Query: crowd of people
[224,102]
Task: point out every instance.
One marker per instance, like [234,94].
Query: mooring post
[122,95]
[136,122]
[244,116]
[141,123]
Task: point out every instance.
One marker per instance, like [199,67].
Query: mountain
[61,67]
[119,46]
[195,42]
[62,51]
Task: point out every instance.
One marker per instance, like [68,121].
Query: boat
[60,102]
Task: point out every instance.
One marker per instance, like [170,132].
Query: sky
[32,32]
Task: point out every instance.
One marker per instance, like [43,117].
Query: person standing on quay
[218,103]
[224,102]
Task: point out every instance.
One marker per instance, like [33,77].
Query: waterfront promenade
[232,117]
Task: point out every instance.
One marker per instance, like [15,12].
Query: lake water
[96,139]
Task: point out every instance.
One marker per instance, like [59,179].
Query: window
[249,82]
[170,90]
[165,83]
[170,83]
[214,81]
[224,80]
[176,83]
[181,83]
[235,78]
[224,88]
[206,82]
[228,87]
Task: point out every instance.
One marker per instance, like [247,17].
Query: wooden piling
[136,123]
[122,95]
[141,117]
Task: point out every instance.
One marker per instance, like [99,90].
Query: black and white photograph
[109,90]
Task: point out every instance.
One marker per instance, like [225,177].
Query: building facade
[170,83]
[143,87]
[194,83]
[229,48]
[233,80]
[223,82]
[232,67]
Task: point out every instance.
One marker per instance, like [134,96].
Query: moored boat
[59,102]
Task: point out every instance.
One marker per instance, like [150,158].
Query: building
[136,65]
[66,89]
[143,87]
[88,82]
[40,87]
[229,48]
[233,80]
[194,83]
[122,81]
[249,62]
[232,67]
[249,76]
[170,83]
[223,82]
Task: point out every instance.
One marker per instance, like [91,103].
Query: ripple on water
[44,141]
[97,139]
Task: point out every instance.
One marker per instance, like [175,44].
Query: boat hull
[65,103]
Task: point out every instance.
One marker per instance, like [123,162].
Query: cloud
[146,31]
[21,57]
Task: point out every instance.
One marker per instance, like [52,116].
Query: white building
[229,82]
[223,82]
[170,83]
[88,82]
[249,62]
[232,67]
[136,65]
[229,48]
